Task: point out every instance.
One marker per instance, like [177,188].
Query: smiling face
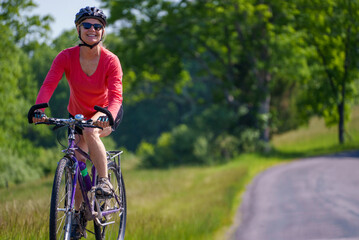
[90,36]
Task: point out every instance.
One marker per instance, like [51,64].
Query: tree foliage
[17,90]
[332,31]
[204,55]
[24,27]
[270,64]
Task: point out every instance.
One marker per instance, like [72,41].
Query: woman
[95,78]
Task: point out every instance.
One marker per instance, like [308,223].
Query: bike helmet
[90,12]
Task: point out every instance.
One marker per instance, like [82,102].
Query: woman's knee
[96,133]
[91,133]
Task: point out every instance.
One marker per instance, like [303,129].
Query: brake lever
[42,123]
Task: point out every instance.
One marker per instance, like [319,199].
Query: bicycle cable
[58,137]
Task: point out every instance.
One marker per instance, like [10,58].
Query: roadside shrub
[15,169]
[181,146]
[147,152]
[249,140]
[226,147]
[201,150]
[183,139]
[26,162]
[185,146]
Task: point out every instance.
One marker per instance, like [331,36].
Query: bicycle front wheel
[60,212]
[116,221]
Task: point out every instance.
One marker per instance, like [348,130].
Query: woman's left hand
[102,121]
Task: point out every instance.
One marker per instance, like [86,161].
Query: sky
[63,12]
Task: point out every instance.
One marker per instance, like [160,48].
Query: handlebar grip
[107,112]
[33,109]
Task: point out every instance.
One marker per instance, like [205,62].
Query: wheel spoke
[60,224]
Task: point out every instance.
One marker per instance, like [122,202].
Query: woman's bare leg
[82,144]
[96,147]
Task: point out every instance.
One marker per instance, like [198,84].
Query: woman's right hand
[39,116]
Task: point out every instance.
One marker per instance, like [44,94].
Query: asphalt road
[316,198]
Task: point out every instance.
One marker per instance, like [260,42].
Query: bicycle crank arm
[98,222]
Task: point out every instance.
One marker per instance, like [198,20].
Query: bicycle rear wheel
[117,221]
[60,212]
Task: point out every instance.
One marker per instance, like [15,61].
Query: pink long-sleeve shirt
[103,88]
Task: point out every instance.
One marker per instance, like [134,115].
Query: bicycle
[108,214]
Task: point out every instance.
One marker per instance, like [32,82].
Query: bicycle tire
[117,229]
[60,212]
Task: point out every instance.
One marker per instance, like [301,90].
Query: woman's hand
[39,116]
[102,121]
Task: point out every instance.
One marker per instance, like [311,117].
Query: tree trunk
[341,106]
[264,78]
[341,122]
[264,112]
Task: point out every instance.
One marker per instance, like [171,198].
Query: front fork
[69,210]
[68,225]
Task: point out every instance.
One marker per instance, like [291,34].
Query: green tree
[17,90]
[17,86]
[25,28]
[331,29]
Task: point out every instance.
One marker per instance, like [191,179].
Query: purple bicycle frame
[73,146]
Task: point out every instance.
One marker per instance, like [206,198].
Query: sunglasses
[96,26]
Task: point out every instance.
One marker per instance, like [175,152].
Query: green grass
[186,203]
[24,210]
[316,139]
[181,203]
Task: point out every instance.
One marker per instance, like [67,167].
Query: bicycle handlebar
[45,105]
